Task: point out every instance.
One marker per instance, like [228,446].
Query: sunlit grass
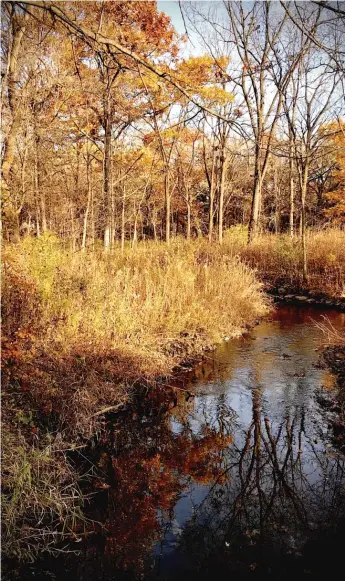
[278,259]
[144,297]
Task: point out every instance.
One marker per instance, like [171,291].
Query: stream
[234,473]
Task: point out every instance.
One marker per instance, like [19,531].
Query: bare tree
[316,99]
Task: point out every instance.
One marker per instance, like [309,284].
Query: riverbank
[179,481]
[282,295]
[334,402]
[278,261]
[80,331]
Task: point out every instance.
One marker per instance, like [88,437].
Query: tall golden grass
[278,259]
[143,298]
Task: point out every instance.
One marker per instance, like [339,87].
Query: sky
[172,9]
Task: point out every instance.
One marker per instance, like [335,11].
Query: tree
[257,34]
[317,98]
[335,192]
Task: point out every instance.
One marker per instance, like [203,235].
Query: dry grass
[41,499]
[332,335]
[142,299]
[278,259]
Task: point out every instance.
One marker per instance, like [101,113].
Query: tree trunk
[88,204]
[73,234]
[112,220]
[277,202]
[221,199]
[303,218]
[93,226]
[292,201]
[18,30]
[23,175]
[188,220]
[154,226]
[167,205]
[135,229]
[37,193]
[292,187]
[123,219]
[40,197]
[256,201]
[212,192]
[43,212]
[38,232]
[107,174]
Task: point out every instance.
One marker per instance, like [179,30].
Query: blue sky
[172,9]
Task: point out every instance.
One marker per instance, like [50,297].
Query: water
[240,478]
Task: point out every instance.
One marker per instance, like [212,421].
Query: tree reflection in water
[280,489]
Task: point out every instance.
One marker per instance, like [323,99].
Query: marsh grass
[41,497]
[143,298]
[278,259]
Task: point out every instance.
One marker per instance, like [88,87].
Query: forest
[164,180]
[123,139]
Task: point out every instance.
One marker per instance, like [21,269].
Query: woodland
[120,138]
[156,187]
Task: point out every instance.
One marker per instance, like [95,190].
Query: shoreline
[333,403]
[304,297]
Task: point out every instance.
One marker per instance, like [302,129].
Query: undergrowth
[278,260]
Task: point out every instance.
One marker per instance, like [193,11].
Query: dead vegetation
[278,260]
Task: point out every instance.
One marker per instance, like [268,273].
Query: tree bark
[303,217]
[88,204]
[73,233]
[256,202]
[107,173]
[18,29]
[123,224]
[188,220]
[292,196]
[221,198]
[212,192]
[40,197]
[167,205]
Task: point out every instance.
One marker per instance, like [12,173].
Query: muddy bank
[334,402]
[305,297]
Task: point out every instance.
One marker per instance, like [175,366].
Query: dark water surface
[239,480]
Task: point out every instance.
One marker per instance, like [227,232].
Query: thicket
[279,261]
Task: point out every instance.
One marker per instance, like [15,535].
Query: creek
[233,473]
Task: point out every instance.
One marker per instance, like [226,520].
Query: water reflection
[239,478]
